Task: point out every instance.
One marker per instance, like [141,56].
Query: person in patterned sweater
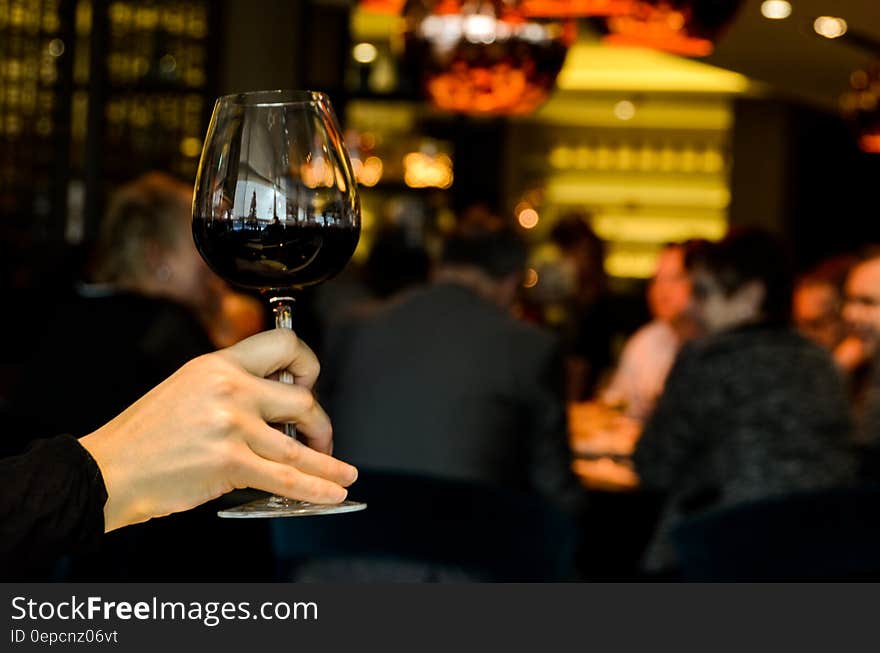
[751,410]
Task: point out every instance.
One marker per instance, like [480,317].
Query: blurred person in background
[466,399]
[143,314]
[136,320]
[462,390]
[587,325]
[234,315]
[648,355]
[817,309]
[862,313]
[397,261]
[838,306]
[751,410]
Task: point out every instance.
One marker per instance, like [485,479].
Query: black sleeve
[51,502]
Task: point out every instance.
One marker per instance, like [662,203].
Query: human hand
[205,431]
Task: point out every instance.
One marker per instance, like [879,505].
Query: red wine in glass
[276,209]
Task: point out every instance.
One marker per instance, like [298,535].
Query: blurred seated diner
[587,326]
[750,411]
[817,306]
[604,430]
[443,384]
[648,354]
[862,314]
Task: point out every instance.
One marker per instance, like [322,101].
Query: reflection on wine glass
[276,209]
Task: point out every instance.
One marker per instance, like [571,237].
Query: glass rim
[274,98]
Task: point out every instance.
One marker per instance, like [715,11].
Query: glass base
[281,507]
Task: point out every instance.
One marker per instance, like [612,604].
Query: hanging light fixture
[574,8]
[531,8]
[861,105]
[383,6]
[685,27]
[484,56]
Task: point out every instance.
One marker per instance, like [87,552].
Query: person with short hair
[861,309]
[818,302]
[135,318]
[752,409]
[145,248]
[444,381]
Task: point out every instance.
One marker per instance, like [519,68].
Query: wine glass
[276,209]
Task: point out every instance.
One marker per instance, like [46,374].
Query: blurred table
[602,441]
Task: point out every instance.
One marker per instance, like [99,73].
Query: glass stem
[283,309]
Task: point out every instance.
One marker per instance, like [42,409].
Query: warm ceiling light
[56,47]
[191,147]
[364,53]
[422,170]
[369,172]
[574,8]
[624,110]
[528,218]
[776,9]
[830,27]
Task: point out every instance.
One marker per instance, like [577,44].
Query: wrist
[122,507]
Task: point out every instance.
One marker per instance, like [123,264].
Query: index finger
[271,351]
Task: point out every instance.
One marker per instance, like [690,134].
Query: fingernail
[353,475]
[340,495]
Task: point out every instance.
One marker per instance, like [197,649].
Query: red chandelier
[484,56]
[503,56]
[531,8]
